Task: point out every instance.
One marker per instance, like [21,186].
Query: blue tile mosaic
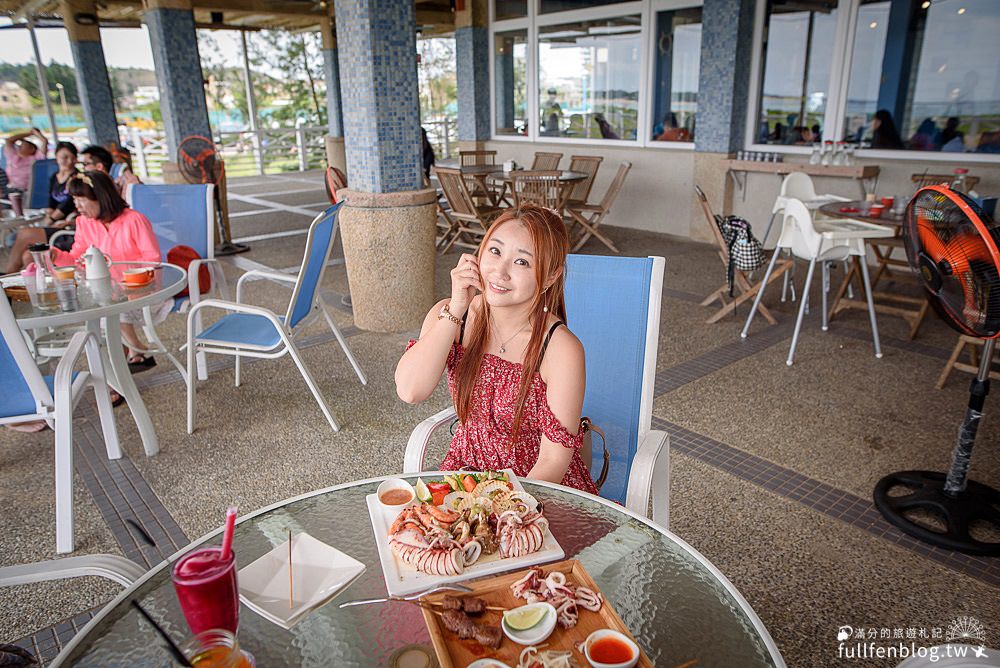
[334,112]
[724,79]
[178,74]
[95,91]
[376,41]
[472,57]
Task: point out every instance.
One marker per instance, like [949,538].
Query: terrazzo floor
[772,466]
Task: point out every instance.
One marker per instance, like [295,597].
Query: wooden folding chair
[586,164]
[590,216]
[974,346]
[476,184]
[546,161]
[742,287]
[471,221]
[538,187]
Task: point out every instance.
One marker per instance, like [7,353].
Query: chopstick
[688,664]
[289,569]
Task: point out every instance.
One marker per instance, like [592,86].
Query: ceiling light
[925,4]
[961,10]
[873,25]
[942,68]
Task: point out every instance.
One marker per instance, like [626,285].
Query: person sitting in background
[122,156]
[989,142]
[952,141]
[884,132]
[923,138]
[100,159]
[58,215]
[606,130]
[672,131]
[802,135]
[21,152]
[123,234]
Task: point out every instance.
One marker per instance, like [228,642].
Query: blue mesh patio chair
[613,307]
[253,331]
[181,215]
[37,196]
[28,395]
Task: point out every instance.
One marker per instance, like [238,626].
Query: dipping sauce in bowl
[395,493]
[607,648]
[395,497]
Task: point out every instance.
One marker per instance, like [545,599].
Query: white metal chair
[112,567]
[823,242]
[27,395]
[613,307]
[254,331]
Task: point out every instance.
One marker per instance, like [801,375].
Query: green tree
[54,73]
[299,93]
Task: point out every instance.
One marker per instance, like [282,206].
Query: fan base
[229,248]
[978,502]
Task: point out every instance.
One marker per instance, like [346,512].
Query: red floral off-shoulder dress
[483,441]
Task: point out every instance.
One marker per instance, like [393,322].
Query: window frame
[843,49]
[645,9]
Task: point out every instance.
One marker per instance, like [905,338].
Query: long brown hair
[551,244]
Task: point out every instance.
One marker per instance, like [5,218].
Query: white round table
[107,302]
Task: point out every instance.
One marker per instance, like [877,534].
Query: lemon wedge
[525,617]
[423,494]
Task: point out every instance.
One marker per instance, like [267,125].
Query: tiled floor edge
[851,509]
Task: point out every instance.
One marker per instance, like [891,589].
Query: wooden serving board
[453,652]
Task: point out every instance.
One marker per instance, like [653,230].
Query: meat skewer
[470,605]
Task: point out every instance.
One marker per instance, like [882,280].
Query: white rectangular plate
[402,579]
[319,572]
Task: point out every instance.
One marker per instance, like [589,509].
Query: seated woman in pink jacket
[123,234]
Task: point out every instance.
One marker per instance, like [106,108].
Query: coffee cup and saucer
[138,277]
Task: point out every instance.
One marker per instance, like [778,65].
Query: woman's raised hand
[465,283]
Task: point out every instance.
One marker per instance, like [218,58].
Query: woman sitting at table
[515,371]
[59,213]
[123,234]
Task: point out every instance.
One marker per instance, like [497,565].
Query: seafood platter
[553,616]
[457,527]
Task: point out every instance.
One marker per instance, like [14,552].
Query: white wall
[657,195]
[658,192]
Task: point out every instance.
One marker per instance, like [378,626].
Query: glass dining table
[676,604]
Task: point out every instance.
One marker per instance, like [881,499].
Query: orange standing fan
[198,162]
[953,246]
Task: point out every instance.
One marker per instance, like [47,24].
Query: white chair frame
[56,408]
[287,335]
[652,458]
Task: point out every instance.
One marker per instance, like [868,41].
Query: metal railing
[267,151]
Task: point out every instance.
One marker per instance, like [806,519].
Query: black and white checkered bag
[746,253]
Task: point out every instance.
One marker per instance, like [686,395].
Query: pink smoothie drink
[206,588]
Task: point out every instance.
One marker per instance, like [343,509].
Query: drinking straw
[171,645]
[142,532]
[289,569]
[227,535]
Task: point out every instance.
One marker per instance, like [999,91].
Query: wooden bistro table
[911,309]
[480,173]
[567,179]
[679,607]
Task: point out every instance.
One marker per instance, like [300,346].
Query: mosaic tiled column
[178,70]
[723,95]
[92,81]
[472,58]
[388,222]
[335,155]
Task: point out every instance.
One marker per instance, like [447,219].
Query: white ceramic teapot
[96,264]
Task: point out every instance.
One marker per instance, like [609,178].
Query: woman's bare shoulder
[564,351]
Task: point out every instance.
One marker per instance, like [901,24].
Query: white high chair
[829,240]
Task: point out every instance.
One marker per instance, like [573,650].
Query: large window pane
[798,50]
[588,79]
[677,57]
[549,6]
[925,77]
[510,76]
[510,9]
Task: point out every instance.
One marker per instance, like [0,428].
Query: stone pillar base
[389,252]
[335,155]
[711,175]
